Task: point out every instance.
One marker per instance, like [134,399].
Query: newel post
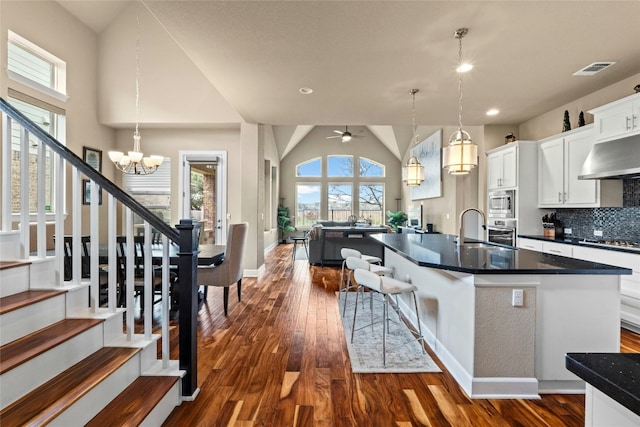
[188,306]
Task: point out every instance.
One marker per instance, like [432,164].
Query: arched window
[310,168]
[371,168]
[340,166]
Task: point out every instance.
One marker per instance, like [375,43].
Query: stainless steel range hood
[618,159]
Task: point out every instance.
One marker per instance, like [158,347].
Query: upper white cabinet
[502,164]
[617,119]
[560,161]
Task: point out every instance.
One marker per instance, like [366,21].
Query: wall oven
[502,204]
[502,231]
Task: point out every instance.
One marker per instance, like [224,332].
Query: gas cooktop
[626,244]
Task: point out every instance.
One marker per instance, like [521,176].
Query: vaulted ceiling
[361,58]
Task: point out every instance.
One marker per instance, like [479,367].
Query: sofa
[327,238]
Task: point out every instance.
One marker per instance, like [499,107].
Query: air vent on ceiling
[594,68]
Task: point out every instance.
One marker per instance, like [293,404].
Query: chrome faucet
[461,235]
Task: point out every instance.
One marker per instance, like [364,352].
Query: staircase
[67,357]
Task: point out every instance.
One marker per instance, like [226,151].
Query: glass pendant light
[461,155]
[134,162]
[413,171]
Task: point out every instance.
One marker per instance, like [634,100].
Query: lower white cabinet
[557,249]
[629,285]
[531,244]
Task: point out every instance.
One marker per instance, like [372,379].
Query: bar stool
[355,263]
[386,286]
[347,252]
[299,239]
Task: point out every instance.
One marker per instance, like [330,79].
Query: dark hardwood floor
[280,359]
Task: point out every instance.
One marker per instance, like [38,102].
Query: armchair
[228,271]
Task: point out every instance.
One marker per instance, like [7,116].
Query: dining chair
[139,271]
[229,271]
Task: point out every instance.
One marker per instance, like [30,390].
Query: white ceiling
[362,57]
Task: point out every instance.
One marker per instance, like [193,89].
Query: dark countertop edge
[575,241]
[599,380]
[546,272]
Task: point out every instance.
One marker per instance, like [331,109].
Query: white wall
[41,22]
[172,89]
[315,145]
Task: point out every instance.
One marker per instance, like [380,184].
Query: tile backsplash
[615,223]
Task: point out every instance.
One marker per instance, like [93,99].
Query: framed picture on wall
[86,193]
[428,153]
[93,157]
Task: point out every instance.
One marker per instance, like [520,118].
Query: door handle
[559,196]
[628,123]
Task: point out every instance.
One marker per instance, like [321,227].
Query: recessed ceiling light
[493,112]
[463,68]
[305,90]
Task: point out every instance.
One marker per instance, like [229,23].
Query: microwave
[502,204]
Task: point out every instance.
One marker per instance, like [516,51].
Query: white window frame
[60,135]
[58,88]
[320,199]
[353,165]
[309,161]
[383,167]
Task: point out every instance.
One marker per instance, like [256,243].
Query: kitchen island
[502,319]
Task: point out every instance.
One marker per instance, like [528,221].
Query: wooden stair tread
[23,299]
[4,265]
[26,348]
[46,402]
[133,405]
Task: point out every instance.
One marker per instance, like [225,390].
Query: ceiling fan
[345,136]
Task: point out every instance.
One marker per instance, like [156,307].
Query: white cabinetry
[513,167]
[617,119]
[502,166]
[531,244]
[560,162]
[557,249]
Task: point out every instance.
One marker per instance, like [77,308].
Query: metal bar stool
[348,252]
[354,263]
[299,239]
[386,286]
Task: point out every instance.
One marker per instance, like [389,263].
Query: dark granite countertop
[578,241]
[440,251]
[615,374]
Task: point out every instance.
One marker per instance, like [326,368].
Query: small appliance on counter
[552,227]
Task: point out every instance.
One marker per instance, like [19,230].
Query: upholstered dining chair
[228,271]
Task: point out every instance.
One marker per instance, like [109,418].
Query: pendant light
[134,162]
[413,171]
[461,155]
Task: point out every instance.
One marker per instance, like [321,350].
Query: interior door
[203,193]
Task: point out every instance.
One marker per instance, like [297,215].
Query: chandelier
[461,155]
[413,171]
[134,162]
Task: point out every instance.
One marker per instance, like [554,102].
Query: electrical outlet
[597,233]
[517,298]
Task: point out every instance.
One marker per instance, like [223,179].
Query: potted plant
[284,223]
[396,219]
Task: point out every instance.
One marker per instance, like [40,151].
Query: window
[52,120]
[311,168]
[154,191]
[346,195]
[33,66]
[339,166]
[371,168]
[339,203]
[371,198]
[307,204]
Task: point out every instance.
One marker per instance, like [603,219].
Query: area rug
[404,354]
